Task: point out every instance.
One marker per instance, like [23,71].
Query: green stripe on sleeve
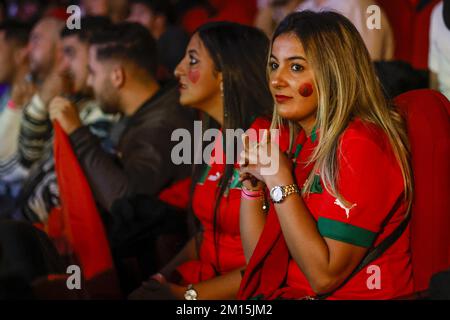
[345,232]
[204,174]
[235,183]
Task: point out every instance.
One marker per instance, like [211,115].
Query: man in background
[40,192]
[171,41]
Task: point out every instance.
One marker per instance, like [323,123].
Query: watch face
[190,295]
[277,194]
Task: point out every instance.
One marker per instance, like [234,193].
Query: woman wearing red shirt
[223,76]
[347,184]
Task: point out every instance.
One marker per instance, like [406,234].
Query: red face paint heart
[306,90]
[193,76]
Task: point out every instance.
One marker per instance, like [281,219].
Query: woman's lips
[281,98]
[181,86]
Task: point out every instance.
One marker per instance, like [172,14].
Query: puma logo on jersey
[214,177]
[347,210]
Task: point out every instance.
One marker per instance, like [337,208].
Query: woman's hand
[249,182]
[264,161]
[177,291]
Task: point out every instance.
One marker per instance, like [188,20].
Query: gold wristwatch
[279,193]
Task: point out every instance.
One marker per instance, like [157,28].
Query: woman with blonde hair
[343,189]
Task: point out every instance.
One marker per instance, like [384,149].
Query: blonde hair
[347,88]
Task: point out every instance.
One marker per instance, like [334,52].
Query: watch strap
[290,189]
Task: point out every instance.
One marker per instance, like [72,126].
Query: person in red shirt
[346,182]
[226,82]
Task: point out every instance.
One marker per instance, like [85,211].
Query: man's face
[42,46]
[7,62]
[100,80]
[75,64]
[141,14]
[95,7]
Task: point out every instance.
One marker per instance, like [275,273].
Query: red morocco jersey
[228,255]
[370,180]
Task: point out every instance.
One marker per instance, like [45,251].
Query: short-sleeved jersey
[370,182]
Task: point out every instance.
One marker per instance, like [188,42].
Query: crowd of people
[96,108]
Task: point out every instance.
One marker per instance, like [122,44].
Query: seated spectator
[40,192]
[45,67]
[47,80]
[122,64]
[224,80]
[116,10]
[13,69]
[156,16]
[345,185]
[379,42]
[439,56]
[271,12]
[95,7]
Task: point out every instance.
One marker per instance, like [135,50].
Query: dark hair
[129,42]
[90,25]
[16,32]
[159,7]
[397,77]
[240,53]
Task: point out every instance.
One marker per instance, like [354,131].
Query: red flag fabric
[82,224]
[272,254]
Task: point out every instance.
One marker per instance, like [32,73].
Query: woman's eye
[192,61]
[297,67]
[273,66]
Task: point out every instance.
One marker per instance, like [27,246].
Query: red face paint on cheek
[193,76]
[306,90]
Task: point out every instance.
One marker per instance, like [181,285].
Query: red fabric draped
[267,269]
[78,220]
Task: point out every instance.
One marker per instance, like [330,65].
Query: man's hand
[22,91]
[63,111]
[56,83]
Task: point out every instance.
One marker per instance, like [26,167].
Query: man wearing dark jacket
[122,63]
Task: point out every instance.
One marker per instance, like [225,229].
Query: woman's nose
[277,80]
[179,70]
